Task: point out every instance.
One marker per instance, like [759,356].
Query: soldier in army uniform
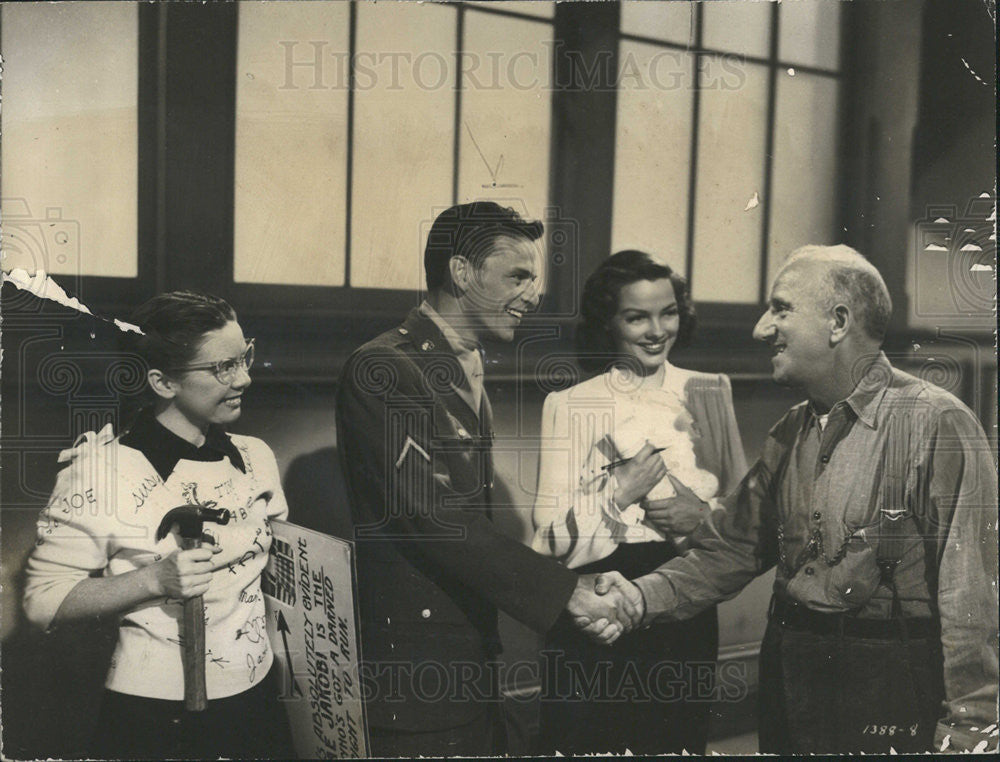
[415,431]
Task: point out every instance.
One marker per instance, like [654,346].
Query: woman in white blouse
[613,447]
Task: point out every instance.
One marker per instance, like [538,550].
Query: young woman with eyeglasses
[97,555]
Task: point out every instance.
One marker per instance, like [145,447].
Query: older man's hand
[678,515]
[606,605]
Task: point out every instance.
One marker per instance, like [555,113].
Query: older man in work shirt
[877,501]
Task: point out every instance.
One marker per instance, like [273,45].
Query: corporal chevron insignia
[408,445]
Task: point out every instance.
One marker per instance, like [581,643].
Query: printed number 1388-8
[889,730]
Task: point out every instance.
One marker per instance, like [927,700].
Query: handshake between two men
[607,605]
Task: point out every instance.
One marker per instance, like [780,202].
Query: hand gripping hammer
[189,520]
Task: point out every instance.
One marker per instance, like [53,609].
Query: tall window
[358,123]
[69,124]
[726,139]
[291,143]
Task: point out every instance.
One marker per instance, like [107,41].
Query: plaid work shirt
[811,507]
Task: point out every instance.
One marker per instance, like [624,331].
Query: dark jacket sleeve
[412,483]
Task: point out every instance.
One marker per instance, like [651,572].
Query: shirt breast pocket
[860,499]
[855,574]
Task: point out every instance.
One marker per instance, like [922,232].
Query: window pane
[70,79]
[810,33]
[804,183]
[667,21]
[403,138]
[737,27]
[504,148]
[731,135]
[291,127]
[529,7]
[653,153]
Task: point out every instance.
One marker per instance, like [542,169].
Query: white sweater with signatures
[101,520]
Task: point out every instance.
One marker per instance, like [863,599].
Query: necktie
[471,359]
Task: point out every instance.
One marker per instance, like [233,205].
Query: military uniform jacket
[432,568]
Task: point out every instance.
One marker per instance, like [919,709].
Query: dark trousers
[650,692]
[249,725]
[824,693]
[484,737]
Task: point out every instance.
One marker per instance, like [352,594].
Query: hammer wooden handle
[195,696]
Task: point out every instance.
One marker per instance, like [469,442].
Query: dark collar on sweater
[163,448]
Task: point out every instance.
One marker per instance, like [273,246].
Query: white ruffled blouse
[608,418]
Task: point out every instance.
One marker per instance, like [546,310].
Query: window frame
[773,63]
[323,302]
[169,48]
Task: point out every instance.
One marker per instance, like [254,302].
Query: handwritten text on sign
[312,626]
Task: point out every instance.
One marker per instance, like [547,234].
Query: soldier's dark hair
[470,231]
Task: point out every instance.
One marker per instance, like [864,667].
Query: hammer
[189,520]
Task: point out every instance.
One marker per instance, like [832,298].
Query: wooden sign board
[312,623]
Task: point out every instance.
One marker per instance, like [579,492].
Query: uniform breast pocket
[468,463]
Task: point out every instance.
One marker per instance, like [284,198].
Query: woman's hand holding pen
[638,476]
[677,515]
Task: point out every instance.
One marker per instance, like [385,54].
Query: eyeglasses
[225,370]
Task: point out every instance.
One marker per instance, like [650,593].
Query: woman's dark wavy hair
[174,325]
[594,345]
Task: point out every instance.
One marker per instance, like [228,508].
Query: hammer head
[189,520]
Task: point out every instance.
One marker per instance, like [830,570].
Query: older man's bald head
[845,276]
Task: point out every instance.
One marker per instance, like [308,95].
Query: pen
[626,460]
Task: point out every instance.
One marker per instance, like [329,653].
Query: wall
[59,676]
[918,132]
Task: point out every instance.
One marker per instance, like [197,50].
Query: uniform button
[817,515]
[388,620]
[426,613]
[810,571]
[392,646]
[825,458]
[403,331]
[394,715]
